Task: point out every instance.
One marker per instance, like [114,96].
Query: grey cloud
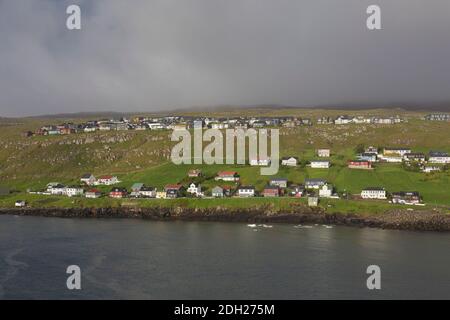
[161,54]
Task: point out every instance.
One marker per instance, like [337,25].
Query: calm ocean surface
[135,259]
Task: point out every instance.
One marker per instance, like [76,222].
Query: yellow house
[161,195]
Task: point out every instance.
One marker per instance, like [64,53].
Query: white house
[156,126]
[89,129]
[104,127]
[107,180]
[56,188]
[195,189]
[93,194]
[147,192]
[326,191]
[391,159]
[343,120]
[74,191]
[88,179]
[289,161]
[246,191]
[373,193]
[439,157]
[322,164]
[371,150]
[219,125]
[227,176]
[279,182]
[323,153]
[217,192]
[428,169]
[260,162]
[20,203]
[314,183]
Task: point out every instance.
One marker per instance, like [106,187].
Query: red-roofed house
[93,193]
[173,190]
[194,173]
[271,191]
[359,164]
[118,193]
[107,180]
[227,176]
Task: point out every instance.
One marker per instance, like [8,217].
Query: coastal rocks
[399,219]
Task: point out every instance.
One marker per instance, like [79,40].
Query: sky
[153,55]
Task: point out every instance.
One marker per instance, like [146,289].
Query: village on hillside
[185,122]
[228,184]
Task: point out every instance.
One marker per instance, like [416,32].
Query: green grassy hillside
[143,156]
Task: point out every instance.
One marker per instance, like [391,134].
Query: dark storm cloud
[161,54]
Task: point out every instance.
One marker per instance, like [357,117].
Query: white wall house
[89,129]
[246,191]
[289,161]
[428,169]
[260,162]
[326,191]
[147,192]
[56,188]
[343,120]
[88,179]
[93,194]
[227,176]
[195,189]
[20,203]
[322,164]
[323,153]
[391,159]
[74,191]
[439,157]
[373,193]
[156,126]
[314,183]
[107,180]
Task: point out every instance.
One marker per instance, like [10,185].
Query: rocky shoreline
[398,219]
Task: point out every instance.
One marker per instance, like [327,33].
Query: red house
[359,164]
[271,191]
[118,193]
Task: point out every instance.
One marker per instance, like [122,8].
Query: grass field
[275,204]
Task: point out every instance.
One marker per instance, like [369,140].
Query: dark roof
[415,154]
[406,193]
[315,180]
[438,154]
[368,154]
[93,191]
